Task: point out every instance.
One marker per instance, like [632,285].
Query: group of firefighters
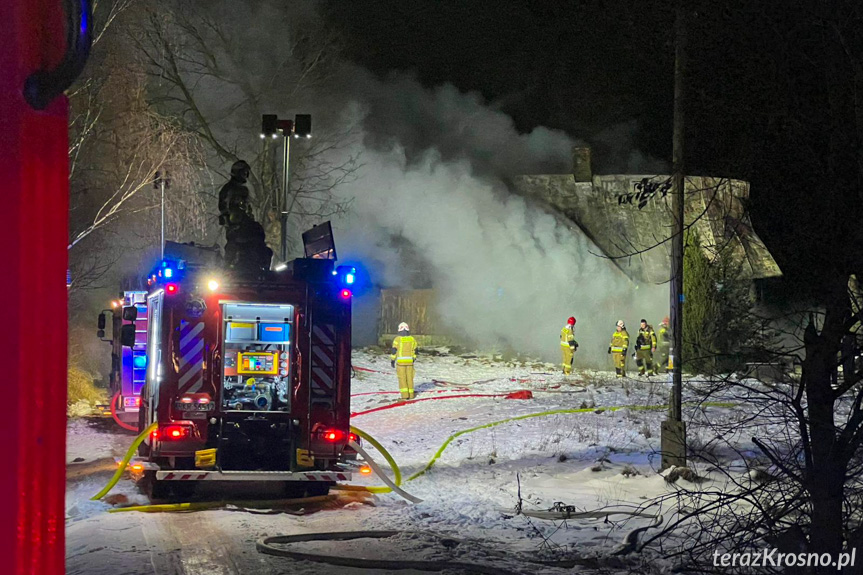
[651,351]
[648,344]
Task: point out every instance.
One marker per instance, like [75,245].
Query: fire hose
[122,467]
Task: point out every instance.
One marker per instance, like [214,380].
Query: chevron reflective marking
[323,368]
[191,475]
[191,357]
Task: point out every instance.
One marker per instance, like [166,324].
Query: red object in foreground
[34,167]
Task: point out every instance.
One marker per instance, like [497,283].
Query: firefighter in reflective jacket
[618,347]
[568,345]
[663,344]
[402,357]
[645,345]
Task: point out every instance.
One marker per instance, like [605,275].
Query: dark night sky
[565,65]
[769,98]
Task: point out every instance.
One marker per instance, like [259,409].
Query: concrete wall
[626,215]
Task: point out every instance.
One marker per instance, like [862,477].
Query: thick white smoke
[508,273]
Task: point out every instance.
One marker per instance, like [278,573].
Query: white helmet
[404,327]
[620,323]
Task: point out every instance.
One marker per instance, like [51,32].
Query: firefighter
[246,247]
[618,347]
[402,357]
[645,346]
[663,340]
[568,345]
[234,195]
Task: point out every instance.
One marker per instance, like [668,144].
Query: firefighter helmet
[571,321]
[241,170]
[404,327]
[620,323]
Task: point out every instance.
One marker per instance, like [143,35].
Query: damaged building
[628,217]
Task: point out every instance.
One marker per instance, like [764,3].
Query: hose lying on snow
[520,394]
[382,475]
[430,464]
[122,467]
[265,545]
[203,505]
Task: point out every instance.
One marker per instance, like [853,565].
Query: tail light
[171,433]
[353,437]
[332,435]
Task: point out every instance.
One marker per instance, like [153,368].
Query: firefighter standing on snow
[618,347]
[663,341]
[645,345]
[402,357]
[568,345]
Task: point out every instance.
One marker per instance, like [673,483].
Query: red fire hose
[429,391]
[523,394]
[114,414]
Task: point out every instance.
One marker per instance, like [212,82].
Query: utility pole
[673,437]
[299,127]
[161,182]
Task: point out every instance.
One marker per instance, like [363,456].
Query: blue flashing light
[169,272]
[140,361]
[349,279]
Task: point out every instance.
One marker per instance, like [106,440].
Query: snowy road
[594,459]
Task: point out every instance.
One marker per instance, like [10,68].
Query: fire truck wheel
[153,488]
[316,488]
[184,490]
[299,489]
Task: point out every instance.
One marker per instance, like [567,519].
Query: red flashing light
[172,288]
[352,437]
[346,294]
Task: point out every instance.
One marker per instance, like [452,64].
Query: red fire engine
[248,378]
[128,364]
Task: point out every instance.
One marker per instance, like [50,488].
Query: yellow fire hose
[122,467]
[430,464]
[397,479]
[202,505]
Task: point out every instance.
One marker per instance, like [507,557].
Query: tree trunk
[825,480]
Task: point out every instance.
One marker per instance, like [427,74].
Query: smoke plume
[431,201]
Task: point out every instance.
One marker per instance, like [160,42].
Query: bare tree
[117,143]
[217,74]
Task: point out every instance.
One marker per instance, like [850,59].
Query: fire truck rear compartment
[257,357]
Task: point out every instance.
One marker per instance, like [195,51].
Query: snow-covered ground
[592,459]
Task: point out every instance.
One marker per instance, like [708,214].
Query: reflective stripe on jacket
[647,337]
[404,350]
[619,341]
[566,336]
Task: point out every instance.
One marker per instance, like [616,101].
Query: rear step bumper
[198,475]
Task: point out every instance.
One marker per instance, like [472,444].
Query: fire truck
[128,364]
[247,375]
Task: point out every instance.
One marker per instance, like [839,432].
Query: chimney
[581,164]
